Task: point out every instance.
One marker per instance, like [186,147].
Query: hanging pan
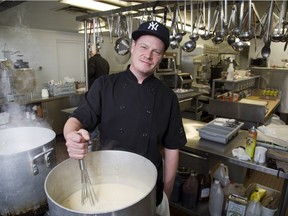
[122,45]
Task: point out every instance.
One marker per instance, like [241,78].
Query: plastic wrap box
[220,130]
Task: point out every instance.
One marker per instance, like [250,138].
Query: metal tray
[220,130]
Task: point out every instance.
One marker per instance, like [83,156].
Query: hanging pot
[112,167]
[122,44]
[27,156]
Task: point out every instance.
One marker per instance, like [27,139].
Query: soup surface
[110,197]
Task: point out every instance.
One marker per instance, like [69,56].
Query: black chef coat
[134,117]
[97,66]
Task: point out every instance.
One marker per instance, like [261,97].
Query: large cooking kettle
[105,166]
[26,157]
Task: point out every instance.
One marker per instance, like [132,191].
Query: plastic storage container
[220,130]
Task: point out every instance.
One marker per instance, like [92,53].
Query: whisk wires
[87,190]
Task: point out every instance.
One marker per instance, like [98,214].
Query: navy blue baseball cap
[153,28]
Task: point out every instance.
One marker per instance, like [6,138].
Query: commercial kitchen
[227,63]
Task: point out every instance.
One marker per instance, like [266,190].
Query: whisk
[87,190]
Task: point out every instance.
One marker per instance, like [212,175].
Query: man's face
[146,54]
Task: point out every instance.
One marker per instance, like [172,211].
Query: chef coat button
[124,85]
[121,131]
[122,107]
[148,112]
[145,134]
[151,90]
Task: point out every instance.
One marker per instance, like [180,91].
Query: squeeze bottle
[230,70]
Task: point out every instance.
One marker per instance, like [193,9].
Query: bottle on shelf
[220,173]
[230,70]
[190,191]
[177,189]
[253,208]
[251,142]
[216,199]
[204,187]
[226,181]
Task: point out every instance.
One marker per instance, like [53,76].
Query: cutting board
[255,102]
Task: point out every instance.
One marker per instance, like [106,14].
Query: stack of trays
[220,130]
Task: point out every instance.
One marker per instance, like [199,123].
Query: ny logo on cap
[153,26]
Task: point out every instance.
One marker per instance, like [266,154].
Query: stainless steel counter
[197,145]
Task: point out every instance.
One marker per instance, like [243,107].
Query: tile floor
[252,176]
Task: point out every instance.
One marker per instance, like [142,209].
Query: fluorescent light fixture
[92,31]
[122,3]
[90,4]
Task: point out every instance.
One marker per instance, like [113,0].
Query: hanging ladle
[265,51]
[110,26]
[231,37]
[190,45]
[247,35]
[194,35]
[240,45]
[173,41]
[208,34]
[180,33]
[219,37]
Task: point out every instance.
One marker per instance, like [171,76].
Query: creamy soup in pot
[110,197]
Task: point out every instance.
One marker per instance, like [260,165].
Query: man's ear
[132,45]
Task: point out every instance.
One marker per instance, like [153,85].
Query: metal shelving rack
[235,85]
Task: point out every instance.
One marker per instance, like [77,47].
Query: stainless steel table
[223,152]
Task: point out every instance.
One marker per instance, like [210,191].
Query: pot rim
[8,151]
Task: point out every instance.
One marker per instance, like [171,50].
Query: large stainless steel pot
[107,166]
[26,157]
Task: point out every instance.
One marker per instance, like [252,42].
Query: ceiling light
[90,4]
[82,31]
[122,3]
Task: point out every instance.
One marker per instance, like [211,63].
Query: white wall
[53,54]
[39,48]
[277,54]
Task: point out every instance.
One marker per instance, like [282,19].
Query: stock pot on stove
[26,157]
[104,167]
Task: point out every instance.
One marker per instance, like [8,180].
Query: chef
[136,112]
